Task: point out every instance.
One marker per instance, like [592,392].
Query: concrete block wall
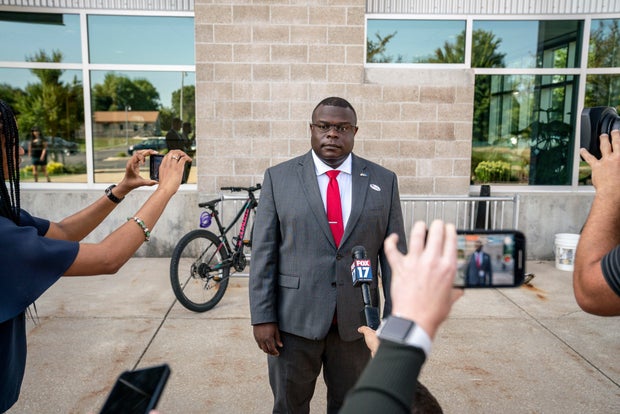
[261,68]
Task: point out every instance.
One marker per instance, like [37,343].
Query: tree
[10,95]
[484,51]
[189,103]
[119,91]
[604,52]
[451,52]
[54,106]
[375,50]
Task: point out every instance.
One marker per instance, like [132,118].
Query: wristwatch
[112,197]
[405,332]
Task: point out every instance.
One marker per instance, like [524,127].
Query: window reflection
[133,110]
[523,131]
[52,101]
[24,35]
[127,107]
[415,41]
[527,44]
[604,44]
[141,40]
[601,90]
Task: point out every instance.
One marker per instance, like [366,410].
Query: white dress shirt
[344,184]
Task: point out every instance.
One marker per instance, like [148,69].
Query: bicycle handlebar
[248,189]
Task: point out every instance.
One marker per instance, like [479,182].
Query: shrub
[492,171]
[55,168]
[79,168]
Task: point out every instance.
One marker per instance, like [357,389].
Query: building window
[604,50]
[139,104]
[526,44]
[137,77]
[45,93]
[31,37]
[415,41]
[523,131]
[524,125]
[142,40]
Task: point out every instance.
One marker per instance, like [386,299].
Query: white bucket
[565,248]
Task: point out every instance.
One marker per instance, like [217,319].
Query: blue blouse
[30,264]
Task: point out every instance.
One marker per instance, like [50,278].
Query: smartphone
[137,391]
[490,259]
[155,162]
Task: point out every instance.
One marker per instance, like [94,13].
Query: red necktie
[478,260]
[334,208]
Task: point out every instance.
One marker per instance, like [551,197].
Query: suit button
[339,256]
[333,284]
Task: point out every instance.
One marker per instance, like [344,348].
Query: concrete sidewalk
[524,350]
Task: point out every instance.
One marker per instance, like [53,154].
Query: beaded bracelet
[147,232]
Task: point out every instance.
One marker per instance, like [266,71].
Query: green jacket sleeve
[388,383]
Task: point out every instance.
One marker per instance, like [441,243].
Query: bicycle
[202,260]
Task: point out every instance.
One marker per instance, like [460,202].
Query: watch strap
[407,333]
[111,196]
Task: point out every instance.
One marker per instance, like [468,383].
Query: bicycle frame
[249,205]
[203,260]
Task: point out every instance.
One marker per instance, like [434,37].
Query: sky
[141,40]
[420,38]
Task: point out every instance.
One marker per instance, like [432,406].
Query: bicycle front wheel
[199,270]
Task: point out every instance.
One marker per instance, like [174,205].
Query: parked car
[58,144]
[157,144]
[55,144]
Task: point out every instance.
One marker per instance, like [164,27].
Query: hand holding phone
[155,162]
[137,391]
[490,259]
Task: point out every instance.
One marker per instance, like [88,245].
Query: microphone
[361,273]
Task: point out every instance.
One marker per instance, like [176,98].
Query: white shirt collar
[321,168]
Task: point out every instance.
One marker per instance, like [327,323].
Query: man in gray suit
[305,311]
[479,270]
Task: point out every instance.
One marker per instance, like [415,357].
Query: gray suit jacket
[297,275]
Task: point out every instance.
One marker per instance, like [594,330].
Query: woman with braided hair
[36,252]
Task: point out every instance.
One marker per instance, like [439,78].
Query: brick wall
[262,68]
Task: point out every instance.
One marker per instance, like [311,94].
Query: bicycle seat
[210,204]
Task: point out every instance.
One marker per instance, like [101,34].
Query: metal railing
[467,213]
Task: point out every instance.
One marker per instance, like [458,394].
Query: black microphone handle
[366,294]
[369,316]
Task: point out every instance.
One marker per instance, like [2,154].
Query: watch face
[396,328]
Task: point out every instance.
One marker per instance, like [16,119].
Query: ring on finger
[175,157]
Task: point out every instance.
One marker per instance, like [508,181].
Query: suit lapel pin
[363,175]
[375,187]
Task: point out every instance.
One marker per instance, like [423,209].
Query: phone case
[490,259]
[137,391]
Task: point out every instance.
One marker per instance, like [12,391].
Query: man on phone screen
[479,271]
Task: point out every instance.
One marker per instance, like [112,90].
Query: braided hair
[9,151]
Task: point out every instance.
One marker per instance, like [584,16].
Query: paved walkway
[524,350]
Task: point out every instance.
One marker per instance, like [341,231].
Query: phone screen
[137,391]
[155,162]
[490,259]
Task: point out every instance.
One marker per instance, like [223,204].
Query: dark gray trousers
[293,374]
